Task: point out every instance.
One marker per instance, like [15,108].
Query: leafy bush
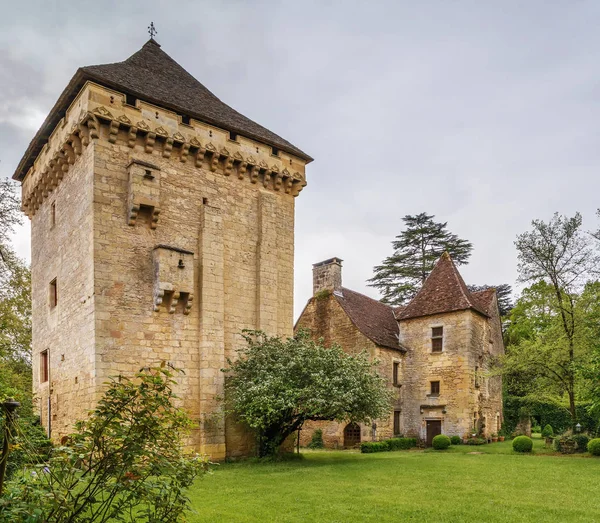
[522,444]
[440,442]
[456,440]
[476,441]
[316,441]
[593,447]
[582,441]
[568,443]
[369,447]
[548,432]
[402,443]
[125,462]
[536,428]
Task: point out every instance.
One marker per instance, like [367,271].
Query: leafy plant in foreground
[125,463]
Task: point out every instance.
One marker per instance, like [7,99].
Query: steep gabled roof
[374,319]
[444,290]
[153,76]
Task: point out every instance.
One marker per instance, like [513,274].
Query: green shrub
[316,441]
[402,443]
[440,442]
[536,428]
[127,460]
[476,441]
[548,432]
[369,447]
[593,447]
[522,444]
[455,440]
[582,441]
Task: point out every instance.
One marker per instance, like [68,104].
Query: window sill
[433,395]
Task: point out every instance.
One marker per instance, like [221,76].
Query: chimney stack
[327,275]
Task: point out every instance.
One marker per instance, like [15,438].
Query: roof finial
[152,30]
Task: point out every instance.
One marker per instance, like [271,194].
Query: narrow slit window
[395,372]
[53,215]
[435,388]
[396,422]
[53,293]
[44,366]
[437,339]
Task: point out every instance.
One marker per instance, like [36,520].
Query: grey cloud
[485,114]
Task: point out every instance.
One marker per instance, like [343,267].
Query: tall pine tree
[416,250]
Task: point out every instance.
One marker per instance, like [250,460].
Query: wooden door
[434,427]
[351,435]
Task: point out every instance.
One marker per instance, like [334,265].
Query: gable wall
[325,318]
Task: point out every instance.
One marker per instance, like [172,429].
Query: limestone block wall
[62,250]
[324,318]
[454,368]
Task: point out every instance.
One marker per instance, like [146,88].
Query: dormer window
[437,339]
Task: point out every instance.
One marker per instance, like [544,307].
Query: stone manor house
[162,225]
[435,353]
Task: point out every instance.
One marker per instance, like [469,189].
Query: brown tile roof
[486,299]
[443,291]
[374,319]
[152,75]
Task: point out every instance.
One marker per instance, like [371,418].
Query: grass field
[432,486]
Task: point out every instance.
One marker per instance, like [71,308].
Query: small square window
[395,375]
[53,294]
[44,366]
[437,339]
[435,388]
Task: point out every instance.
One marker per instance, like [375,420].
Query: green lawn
[437,486]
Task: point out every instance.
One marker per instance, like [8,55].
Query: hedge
[547,413]
[455,440]
[594,447]
[369,447]
[522,444]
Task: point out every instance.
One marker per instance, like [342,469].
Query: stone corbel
[168,148]
[185,149]
[228,164]
[93,127]
[150,140]
[113,131]
[214,157]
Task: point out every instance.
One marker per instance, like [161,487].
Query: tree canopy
[276,385]
[549,337]
[416,249]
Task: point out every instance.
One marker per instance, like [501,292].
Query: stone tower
[162,225]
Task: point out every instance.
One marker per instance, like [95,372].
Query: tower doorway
[434,427]
[351,435]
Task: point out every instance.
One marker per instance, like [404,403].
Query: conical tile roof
[153,76]
[444,290]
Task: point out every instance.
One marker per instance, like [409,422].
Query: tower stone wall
[170,238]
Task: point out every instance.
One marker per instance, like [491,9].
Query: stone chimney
[327,275]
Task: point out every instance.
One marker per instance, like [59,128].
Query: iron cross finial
[152,30]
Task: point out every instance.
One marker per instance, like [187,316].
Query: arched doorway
[351,435]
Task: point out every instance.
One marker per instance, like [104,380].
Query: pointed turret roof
[153,76]
[444,290]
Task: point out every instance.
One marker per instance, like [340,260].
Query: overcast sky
[485,114]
